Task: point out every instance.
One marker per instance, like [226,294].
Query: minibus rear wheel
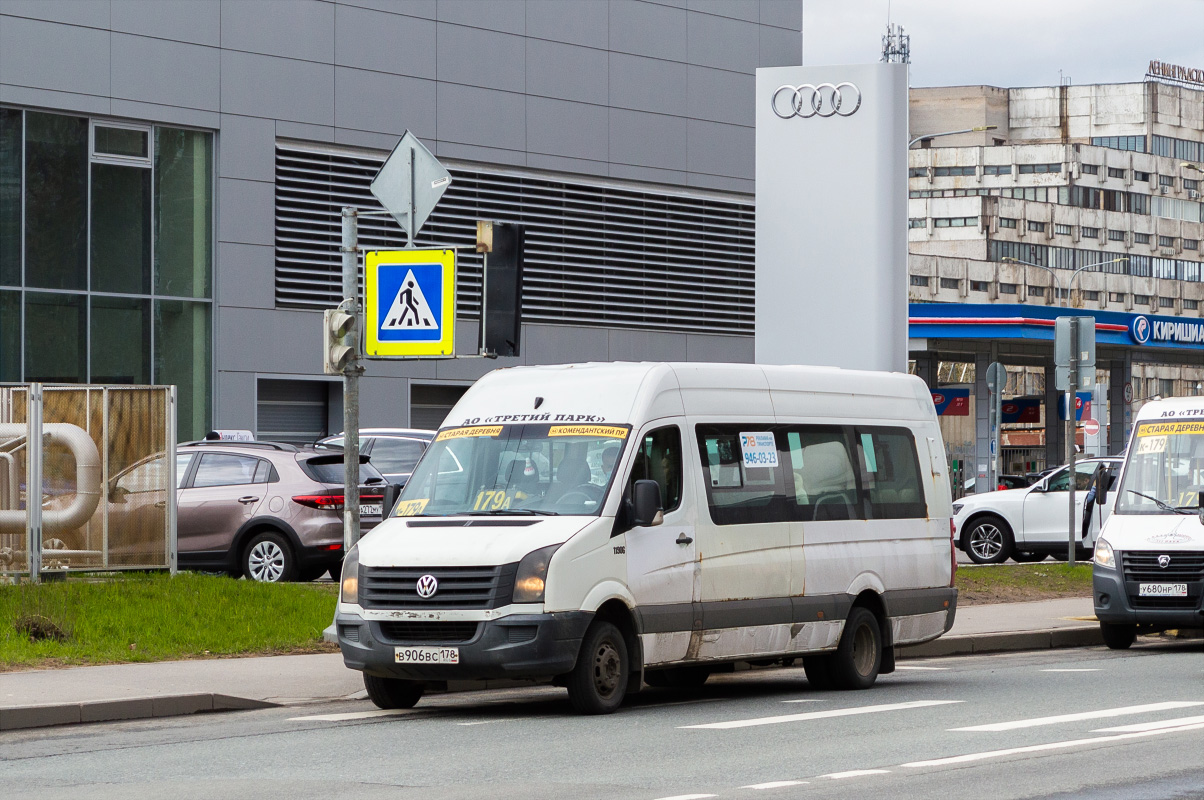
[858,657]
[598,682]
[393,692]
[1117,635]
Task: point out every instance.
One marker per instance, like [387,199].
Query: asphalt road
[1086,723]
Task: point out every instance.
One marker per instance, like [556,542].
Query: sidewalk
[135,691]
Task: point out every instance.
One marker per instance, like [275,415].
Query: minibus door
[662,559]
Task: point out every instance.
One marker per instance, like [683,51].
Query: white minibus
[1148,573]
[603,526]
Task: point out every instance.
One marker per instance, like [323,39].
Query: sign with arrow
[410,183]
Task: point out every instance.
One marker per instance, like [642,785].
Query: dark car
[393,451]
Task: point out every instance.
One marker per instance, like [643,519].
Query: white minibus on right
[1149,558]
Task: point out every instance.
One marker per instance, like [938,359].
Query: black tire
[989,541]
[598,682]
[311,574]
[268,558]
[393,692]
[683,678]
[1118,636]
[1027,557]
[819,672]
[858,657]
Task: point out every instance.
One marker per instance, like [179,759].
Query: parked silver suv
[269,511]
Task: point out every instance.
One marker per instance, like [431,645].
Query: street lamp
[926,137]
[1073,275]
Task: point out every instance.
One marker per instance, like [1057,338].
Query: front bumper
[527,646]
[1114,605]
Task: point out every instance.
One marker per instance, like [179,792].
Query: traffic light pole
[351,381]
[1072,397]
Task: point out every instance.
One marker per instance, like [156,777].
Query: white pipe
[87,479]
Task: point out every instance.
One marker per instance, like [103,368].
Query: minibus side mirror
[646,500]
[1101,486]
[392,492]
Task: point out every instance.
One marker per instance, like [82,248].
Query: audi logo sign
[822,100]
[427,586]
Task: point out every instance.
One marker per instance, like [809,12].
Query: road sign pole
[1072,396]
[351,379]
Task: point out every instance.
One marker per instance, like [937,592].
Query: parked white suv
[1029,524]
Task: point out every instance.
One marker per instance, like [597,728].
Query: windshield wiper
[1162,505]
[495,511]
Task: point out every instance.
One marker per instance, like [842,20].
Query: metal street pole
[351,379]
[1071,398]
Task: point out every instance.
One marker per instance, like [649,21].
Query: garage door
[430,405]
[292,411]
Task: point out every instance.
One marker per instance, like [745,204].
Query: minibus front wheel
[598,682]
[1118,636]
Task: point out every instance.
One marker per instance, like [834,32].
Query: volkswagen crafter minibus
[602,526]
[1148,573]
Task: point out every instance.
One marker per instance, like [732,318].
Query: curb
[1053,638]
[132,708]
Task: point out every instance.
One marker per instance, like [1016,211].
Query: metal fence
[104,457]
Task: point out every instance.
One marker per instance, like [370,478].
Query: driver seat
[569,475]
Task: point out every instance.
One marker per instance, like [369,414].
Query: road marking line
[487,721]
[774,785]
[855,773]
[924,668]
[1093,669]
[941,762]
[803,701]
[1152,726]
[687,797]
[838,712]
[392,712]
[1107,712]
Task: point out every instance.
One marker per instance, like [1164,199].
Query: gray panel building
[171,179]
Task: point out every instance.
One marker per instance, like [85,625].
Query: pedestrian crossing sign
[410,303]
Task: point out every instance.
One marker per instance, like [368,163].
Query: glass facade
[106,251]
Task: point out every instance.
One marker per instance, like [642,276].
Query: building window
[946,172]
[1039,169]
[1191,305]
[955,222]
[1139,203]
[1191,185]
[1115,235]
[1009,288]
[916,222]
[1091,295]
[917,172]
[978,286]
[919,280]
[1007,222]
[106,239]
[1166,302]
[1090,169]
[1134,143]
[1166,180]
[1141,238]
[1166,241]
[1039,227]
[950,283]
[1063,230]
[1138,175]
[1036,291]
[1191,244]
[997,169]
[1180,149]
[1113,172]
[1141,299]
[1117,297]
[1089,233]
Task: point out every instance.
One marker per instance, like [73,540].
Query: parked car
[1029,524]
[393,451]
[272,512]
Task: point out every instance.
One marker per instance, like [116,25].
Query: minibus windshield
[1165,471]
[515,470]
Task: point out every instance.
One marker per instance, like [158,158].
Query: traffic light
[336,324]
[502,244]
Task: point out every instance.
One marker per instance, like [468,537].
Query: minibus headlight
[1103,554]
[349,580]
[532,575]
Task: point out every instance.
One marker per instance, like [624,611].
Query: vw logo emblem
[427,586]
[1164,561]
[824,100]
[1139,329]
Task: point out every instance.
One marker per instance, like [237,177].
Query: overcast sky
[1011,42]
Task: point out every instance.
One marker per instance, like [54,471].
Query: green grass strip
[1047,577]
[157,617]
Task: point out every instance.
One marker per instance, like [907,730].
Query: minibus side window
[739,494]
[824,485]
[891,473]
[658,458]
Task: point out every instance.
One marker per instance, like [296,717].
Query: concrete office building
[171,176]
[1105,179]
